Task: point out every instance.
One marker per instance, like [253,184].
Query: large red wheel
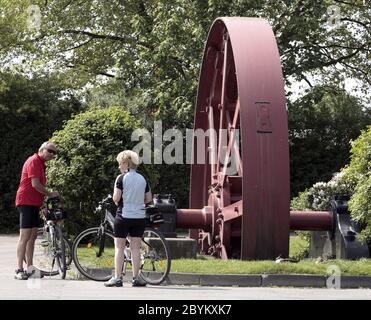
[244,183]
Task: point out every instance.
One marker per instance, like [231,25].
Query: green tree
[85,169]
[321,125]
[30,111]
[154,48]
[150,51]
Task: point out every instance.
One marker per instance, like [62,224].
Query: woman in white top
[131,193]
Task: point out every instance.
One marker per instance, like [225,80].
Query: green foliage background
[30,110]
[358,177]
[354,180]
[86,168]
[144,56]
[321,125]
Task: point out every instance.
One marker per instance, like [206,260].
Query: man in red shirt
[29,199]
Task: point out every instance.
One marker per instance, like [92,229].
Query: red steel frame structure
[244,212]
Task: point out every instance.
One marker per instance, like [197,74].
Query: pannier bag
[153,216]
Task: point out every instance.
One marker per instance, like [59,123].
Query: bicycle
[93,250]
[67,246]
[50,245]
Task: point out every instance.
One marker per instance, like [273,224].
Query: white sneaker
[20,274]
[113,282]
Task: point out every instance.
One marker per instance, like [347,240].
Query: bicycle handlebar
[102,203]
[105,200]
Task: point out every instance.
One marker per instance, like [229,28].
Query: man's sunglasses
[51,151]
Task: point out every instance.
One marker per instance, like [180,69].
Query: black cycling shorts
[28,217]
[123,227]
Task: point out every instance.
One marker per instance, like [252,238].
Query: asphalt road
[69,289]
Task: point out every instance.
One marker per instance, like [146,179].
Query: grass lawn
[298,246]
[306,266]
[210,265]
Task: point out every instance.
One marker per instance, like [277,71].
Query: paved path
[56,289]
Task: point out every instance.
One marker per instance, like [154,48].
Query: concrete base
[182,248]
[321,245]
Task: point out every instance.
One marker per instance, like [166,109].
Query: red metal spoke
[212,142]
[231,143]
[222,99]
[236,147]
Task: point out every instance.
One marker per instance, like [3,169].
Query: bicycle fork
[102,237]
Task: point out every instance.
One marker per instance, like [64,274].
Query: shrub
[85,169]
[353,180]
[358,178]
[319,196]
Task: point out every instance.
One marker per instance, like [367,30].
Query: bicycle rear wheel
[44,257]
[93,253]
[155,257]
[60,252]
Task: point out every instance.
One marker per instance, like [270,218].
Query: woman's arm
[116,195]
[147,197]
[117,190]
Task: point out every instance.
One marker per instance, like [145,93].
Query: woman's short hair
[130,157]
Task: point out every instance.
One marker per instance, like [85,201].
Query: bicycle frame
[92,243]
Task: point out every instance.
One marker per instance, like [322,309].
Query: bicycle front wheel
[93,253]
[44,253]
[155,257]
[60,252]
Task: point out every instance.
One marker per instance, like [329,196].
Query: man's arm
[39,187]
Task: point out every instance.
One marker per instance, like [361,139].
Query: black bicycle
[52,253]
[93,250]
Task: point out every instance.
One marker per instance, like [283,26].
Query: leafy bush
[354,180]
[85,169]
[358,178]
[319,196]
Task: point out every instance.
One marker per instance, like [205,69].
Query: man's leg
[31,246]
[24,236]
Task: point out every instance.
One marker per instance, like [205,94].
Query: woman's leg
[135,255]
[119,256]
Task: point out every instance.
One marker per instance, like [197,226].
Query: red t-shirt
[34,167]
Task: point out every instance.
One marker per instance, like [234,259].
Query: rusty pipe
[311,220]
[299,220]
[194,218]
